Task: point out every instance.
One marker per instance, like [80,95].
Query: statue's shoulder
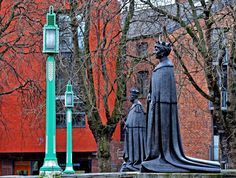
[163,64]
[138,107]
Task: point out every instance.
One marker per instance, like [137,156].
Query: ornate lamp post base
[50,166]
[50,173]
[69,170]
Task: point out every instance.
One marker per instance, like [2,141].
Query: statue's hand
[149,97]
[126,128]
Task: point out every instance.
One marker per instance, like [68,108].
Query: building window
[220,61]
[78,114]
[66,43]
[66,65]
[142,49]
[65,33]
[7,167]
[22,167]
[34,168]
[219,46]
[80,31]
[224,98]
[215,147]
[66,68]
[60,84]
[163,2]
[139,5]
[222,82]
[197,3]
[142,83]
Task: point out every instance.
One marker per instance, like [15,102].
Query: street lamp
[69,103]
[51,34]
[50,47]
[69,97]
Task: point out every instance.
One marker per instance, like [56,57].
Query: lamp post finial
[51,10]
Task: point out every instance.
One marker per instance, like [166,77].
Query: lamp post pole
[69,103]
[50,47]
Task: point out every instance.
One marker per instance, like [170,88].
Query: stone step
[223,174]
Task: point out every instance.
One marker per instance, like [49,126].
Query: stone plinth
[223,174]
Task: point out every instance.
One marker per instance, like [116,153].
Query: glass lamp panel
[50,39]
[69,99]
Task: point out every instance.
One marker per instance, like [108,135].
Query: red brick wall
[116,155]
[194,115]
[94,165]
[28,135]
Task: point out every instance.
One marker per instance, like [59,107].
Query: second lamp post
[69,104]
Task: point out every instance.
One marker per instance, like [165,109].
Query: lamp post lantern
[69,103]
[50,47]
[51,34]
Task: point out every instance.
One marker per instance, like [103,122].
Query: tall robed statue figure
[164,151]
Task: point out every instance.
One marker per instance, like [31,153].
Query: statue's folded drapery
[164,148]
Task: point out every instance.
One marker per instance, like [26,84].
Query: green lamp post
[69,103]
[50,47]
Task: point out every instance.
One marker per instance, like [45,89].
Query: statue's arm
[149,96]
[138,108]
[150,91]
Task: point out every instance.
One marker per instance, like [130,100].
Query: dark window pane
[66,69]
[78,119]
[224,100]
[218,44]
[224,77]
[220,60]
[142,49]
[7,167]
[78,114]
[143,82]
[66,42]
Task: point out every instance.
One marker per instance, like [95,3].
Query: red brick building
[22,141]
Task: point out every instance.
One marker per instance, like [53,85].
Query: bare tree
[19,44]
[100,67]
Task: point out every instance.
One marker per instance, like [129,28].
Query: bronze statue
[164,148]
[135,135]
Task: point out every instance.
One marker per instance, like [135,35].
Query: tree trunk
[232,152]
[231,103]
[103,154]
[231,116]
[223,150]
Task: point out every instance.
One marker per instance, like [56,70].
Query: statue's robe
[164,148]
[135,138]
